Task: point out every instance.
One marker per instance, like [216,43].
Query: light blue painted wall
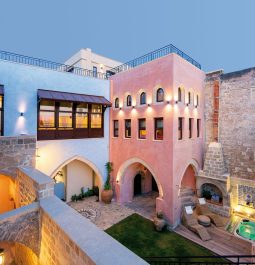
[21,83]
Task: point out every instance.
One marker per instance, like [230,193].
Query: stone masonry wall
[15,152]
[32,185]
[22,226]
[236,119]
[54,238]
[237,122]
[25,256]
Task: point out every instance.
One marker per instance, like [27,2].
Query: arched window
[179,94]
[129,100]
[197,100]
[117,103]
[143,98]
[189,98]
[160,95]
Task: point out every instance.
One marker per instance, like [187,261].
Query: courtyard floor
[105,215]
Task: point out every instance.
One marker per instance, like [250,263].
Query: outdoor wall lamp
[195,106]
[21,115]
[120,108]
[187,104]
[149,105]
[133,107]
[1,256]
[168,102]
[117,181]
[176,102]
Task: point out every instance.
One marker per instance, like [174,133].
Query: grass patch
[138,235]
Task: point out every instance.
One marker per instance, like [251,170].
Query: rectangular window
[65,118]
[127,128]
[47,114]
[180,128]
[190,127]
[198,127]
[116,128]
[142,129]
[96,116]
[1,115]
[94,71]
[158,128]
[82,116]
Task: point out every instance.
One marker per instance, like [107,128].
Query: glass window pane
[65,106]
[47,119]
[96,108]
[47,105]
[96,121]
[81,120]
[82,107]
[159,123]
[65,120]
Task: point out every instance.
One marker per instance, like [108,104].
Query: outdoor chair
[190,221]
[203,209]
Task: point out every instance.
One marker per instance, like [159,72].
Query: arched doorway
[74,176]
[135,177]
[137,185]
[7,194]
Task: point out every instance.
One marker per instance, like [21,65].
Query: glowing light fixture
[176,102]
[133,107]
[196,106]
[187,104]
[168,101]
[120,108]
[149,105]
[1,256]
[21,115]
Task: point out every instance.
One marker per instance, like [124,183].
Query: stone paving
[105,215]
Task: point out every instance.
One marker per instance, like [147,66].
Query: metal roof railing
[22,59]
[153,56]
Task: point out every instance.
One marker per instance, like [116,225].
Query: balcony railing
[202,260]
[153,56]
[22,59]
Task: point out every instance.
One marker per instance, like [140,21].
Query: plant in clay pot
[107,193]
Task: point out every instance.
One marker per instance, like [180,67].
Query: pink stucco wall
[168,159]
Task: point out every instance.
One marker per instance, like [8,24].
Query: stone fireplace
[213,182]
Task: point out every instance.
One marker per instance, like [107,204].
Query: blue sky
[217,33]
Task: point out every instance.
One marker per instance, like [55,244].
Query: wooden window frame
[129,100]
[116,103]
[157,95]
[156,129]
[128,131]
[191,120]
[143,98]
[198,128]
[115,129]
[141,128]
[56,132]
[180,128]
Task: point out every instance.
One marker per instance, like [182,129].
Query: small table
[204,220]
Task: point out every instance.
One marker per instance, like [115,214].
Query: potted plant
[107,193]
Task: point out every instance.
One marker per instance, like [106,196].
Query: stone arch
[87,162]
[131,161]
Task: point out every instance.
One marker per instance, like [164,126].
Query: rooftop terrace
[153,56]
[22,59]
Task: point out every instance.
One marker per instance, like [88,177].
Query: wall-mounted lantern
[149,105]
[168,101]
[21,114]
[176,102]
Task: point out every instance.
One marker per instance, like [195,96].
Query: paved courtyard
[105,215]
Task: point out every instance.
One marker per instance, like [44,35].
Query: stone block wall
[32,185]
[25,256]
[16,151]
[22,226]
[57,248]
[236,119]
[237,122]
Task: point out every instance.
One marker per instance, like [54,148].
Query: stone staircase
[187,196]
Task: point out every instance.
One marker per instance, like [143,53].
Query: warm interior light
[1,256]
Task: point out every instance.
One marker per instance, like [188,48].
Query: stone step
[186,192]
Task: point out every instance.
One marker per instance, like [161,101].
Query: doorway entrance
[138,185]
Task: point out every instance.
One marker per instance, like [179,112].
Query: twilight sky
[219,34]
